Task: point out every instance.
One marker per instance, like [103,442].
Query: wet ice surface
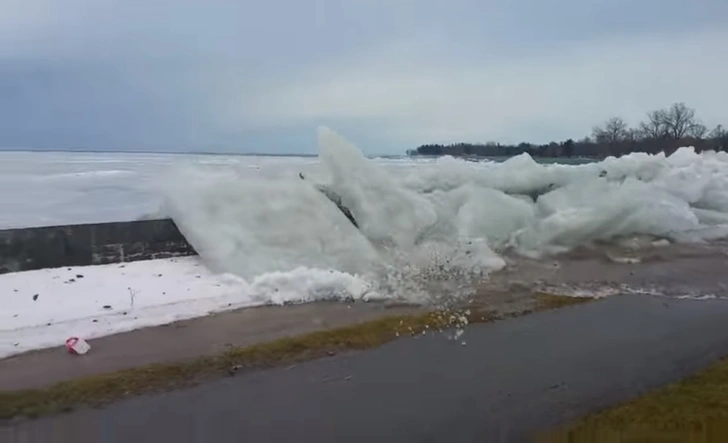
[636,266]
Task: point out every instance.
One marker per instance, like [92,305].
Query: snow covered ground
[43,308]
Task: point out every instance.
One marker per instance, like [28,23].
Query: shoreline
[672,271]
[512,379]
[158,359]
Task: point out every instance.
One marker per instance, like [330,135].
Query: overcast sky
[260,76]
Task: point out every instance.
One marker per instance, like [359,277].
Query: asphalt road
[509,379]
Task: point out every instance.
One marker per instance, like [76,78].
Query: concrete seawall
[26,249]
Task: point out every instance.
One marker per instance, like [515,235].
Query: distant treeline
[663,130]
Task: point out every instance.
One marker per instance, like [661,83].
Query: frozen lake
[52,188]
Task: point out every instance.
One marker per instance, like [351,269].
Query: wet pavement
[497,382]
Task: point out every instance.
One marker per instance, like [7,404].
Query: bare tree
[632,135]
[720,137]
[698,131]
[614,131]
[680,121]
[655,126]
[719,133]
[676,122]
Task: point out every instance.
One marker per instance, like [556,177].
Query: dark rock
[35,297]
[79,276]
[336,199]
[107,306]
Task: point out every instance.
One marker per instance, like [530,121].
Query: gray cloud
[183,74]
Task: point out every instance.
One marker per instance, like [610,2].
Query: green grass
[694,409]
[100,389]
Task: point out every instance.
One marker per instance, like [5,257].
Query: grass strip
[692,409]
[100,389]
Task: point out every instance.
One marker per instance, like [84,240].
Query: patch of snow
[43,308]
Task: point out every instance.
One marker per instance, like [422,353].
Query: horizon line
[145,151]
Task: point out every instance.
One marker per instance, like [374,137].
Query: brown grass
[550,301]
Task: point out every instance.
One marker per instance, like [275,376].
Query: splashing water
[428,233]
